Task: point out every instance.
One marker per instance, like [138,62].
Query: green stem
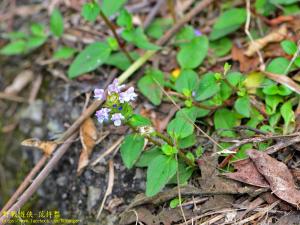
[112,28]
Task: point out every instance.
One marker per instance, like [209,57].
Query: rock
[93,196]
[62,181]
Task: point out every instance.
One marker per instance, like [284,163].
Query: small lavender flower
[116,118]
[128,95]
[99,94]
[115,87]
[197,32]
[102,114]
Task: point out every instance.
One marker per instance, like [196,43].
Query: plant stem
[120,42]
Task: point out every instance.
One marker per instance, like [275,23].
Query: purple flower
[102,114]
[115,87]
[99,94]
[197,32]
[128,95]
[116,118]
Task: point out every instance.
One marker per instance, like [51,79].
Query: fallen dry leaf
[258,44]
[47,147]
[19,82]
[247,173]
[278,176]
[247,64]
[88,137]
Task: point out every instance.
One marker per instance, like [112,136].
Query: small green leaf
[180,128]
[225,119]
[169,150]
[90,11]
[207,87]
[272,101]
[192,54]
[187,142]
[288,115]
[228,22]
[89,59]
[137,121]
[186,34]
[64,53]
[185,172]
[289,47]
[242,106]
[131,149]
[278,65]
[150,86]
[56,23]
[139,39]
[125,19]
[38,30]
[14,48]
[160,171]
[158,27]
[284,2]
[221,47]
[188,79]
[35,42]
[174,203]
[110,7]
[192,113]
[264,7]
[148,156]
[120,61]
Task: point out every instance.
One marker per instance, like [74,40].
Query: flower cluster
[117,107]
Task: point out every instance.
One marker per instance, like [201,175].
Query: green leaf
[139,39]
[35,42]
[174,203]
[125,19]
[110,7]
[15,35]
[207,87]
[169,150]
[186,34]
[150,86]
[158,27]
[90,11]
[264,7]
[187,142]
[221,47]
[284,2]
[188,79]
[192,54]
[14,48]
[192,113]
[64,53]
[138,120]
[89,59]
[120,61]
[278,65]
[288,115]
[185,172]
[289,47]
[180,128]
[38,30]
[225,119]
[56,23]
[160,171]
[148,156]
[131,149]
[242,106]
[272,101]
[228,22]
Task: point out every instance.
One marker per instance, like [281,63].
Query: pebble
[33,112]
[93,196]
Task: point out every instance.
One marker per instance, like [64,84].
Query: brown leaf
[247,64]
[47,147]
[88,137]
[247,173]
[258,44]
[278,176]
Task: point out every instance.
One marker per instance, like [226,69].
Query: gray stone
[93,196]
[34,112]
